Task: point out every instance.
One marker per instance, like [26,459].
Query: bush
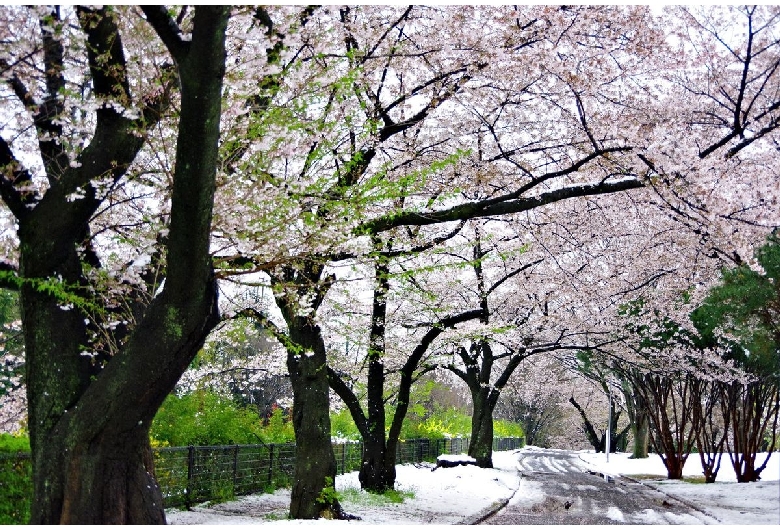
[507,429]
[278,430]
[204,417]
[342,427]
[10,443]
[15,480]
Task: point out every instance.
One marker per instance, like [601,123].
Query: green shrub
[507,429]
[10,443]
[278,430]
[15,480]
[342,426]
[204,418]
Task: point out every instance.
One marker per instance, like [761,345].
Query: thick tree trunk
[377,471]
[113,484]
[315,464]
[89,424]
[481,442]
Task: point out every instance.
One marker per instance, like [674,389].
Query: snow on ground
[462,494]
[444,496]
[725,500]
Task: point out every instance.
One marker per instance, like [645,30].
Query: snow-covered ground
[462,494]
[729,502]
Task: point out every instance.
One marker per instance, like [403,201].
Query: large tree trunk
[481,442]
[377,471]
[638,419]
[89,425]
[112,483]
[315,464]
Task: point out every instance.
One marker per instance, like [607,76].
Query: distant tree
[742,313]
[13,404]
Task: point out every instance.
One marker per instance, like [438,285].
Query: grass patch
[695,480]
[361,497]
[647,477]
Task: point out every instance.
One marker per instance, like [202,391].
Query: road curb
[488,512]
[684,502]
[494,508]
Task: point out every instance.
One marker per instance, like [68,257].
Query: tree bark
[89,427]
[315,464]
[638,419]
[481,442]
[641,435]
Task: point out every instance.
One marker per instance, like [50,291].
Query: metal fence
[190,475]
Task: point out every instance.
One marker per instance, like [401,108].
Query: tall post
[609,428]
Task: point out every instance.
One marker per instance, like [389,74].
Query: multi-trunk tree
[91,403]
[384,358]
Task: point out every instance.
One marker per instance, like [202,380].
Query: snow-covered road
[567,492]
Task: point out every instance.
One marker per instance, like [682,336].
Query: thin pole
[609,427]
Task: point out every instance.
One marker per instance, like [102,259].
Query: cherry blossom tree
[81,115]
[389,150]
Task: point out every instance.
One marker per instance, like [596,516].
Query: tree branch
[486,208]
[168,30]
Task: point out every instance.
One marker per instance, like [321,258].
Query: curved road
[556,488]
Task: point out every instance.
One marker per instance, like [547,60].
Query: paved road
[556,488]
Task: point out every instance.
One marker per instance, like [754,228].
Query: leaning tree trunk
[590,432]
[89,428]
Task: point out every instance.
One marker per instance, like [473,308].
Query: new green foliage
[207,418]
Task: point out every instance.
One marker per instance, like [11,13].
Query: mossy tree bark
[89,424]
[315,463]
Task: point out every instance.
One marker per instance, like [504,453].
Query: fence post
[344,457]
[235,470]
[271,465]
[190,476]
